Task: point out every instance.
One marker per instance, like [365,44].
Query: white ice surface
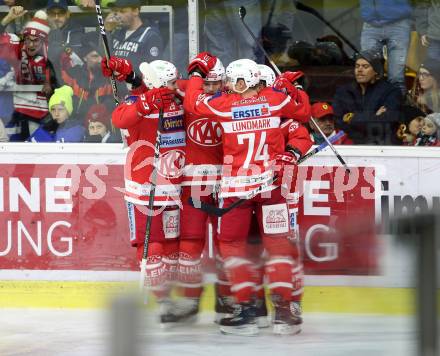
[72,332]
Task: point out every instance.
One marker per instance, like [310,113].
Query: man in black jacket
[65,35]
[369,108]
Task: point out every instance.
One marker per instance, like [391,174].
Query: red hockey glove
[203,63]
[154,99]
[286,87]
[120,67]
[293,77]
[287,82]
[285,165]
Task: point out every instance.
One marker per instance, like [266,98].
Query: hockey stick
[106,48]
[302,7]
[149,74]
[321,146]
[338,156]
[150,210]
[242,14]
[214,210]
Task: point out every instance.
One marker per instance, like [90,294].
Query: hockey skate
[186,310]
[287,319]
[166,317]
[182,311]
[242,322]
[261,313]
[223,308]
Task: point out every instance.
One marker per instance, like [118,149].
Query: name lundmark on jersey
[249,125]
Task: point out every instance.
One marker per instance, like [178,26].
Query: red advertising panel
[63,217]
[337,220]
[73,217]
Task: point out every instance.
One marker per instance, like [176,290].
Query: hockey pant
[194,228]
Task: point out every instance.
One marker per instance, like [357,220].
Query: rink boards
[64,240]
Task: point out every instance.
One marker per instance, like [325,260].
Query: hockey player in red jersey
[201,173]
[268,79]
[138,118]
[257,147]
[290,79]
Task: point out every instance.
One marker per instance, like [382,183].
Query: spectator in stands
[7,83]
[224,31]
[180,40]
[325,52]
[16,26]
[98,123]
[64,37]
[29,59]
[430,132]
[325,119]
[425,93]
[135,40]
[368,109]
[89,85]
[388,23]
[69,128]
[275,40]
[340,56]
[428,26]
[411,126]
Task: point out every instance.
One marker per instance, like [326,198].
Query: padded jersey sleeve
[286,107]
[297,136]
[126,115]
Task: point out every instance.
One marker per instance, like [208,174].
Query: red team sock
[190,275]
[223,284]
[240,271]
[259,281]
[155,278]
[298,281]
[170,261]
[254,252]
[279,267]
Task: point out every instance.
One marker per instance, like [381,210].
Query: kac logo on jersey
[252,111]
[205,132]
[171,164]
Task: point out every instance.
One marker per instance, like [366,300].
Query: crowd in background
[382,102]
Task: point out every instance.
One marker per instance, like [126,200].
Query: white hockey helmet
[164,71]
[245,69]
[267,74]
[217,73]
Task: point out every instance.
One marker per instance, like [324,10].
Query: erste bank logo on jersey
[251,111]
